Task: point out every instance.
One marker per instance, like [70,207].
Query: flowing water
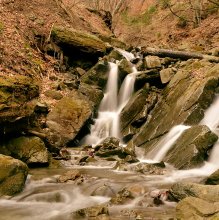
[114,100]
[45,199]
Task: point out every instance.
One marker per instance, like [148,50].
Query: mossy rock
[16,98]
[13,174]
[188,94]
[66,119]
[30,150]
[72,38]
[97,75]
[93,93]
[190,149]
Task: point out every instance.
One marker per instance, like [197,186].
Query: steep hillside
[153,23]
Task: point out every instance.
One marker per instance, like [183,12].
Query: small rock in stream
[71,175]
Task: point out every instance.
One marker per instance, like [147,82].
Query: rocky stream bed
[118,135]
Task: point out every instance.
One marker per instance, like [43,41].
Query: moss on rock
[13,174]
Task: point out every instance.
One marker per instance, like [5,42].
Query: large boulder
[191,148]
[195,209]
[66,119]
[30,150]
[16,95]
[76,48]
[72,39]
[188,94]
[13,174]
[181,191]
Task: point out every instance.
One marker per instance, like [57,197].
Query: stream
[45,199]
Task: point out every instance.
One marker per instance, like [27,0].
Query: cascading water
[211,119]
[167,142]
[107,123]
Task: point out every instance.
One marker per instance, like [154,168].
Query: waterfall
[107,122]
[211,119]
[167,142]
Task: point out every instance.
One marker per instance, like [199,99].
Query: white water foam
[108,122]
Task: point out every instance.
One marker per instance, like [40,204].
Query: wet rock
[191,148]
[92,212]
[66,119]
[110,147]
[184,100]
[145,168]
[159,196]
[166,75]
[30,150]
[97,75]
[209,193]
[114,55]
[104,190]
[17,103]
[152,62]
[65,154]
[213,179]
[122,197]
[195,208]
[69,176]
[125,68]
[13,174]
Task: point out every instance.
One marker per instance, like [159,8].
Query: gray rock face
[183,190]
[13,174]
[67,118]
[195,209]
[190,150]
[184,100]
[30,150]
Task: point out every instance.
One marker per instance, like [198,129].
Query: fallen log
[184,55]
